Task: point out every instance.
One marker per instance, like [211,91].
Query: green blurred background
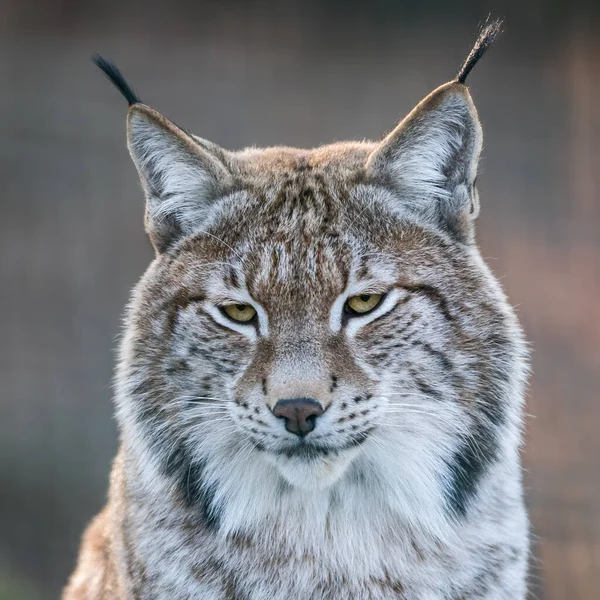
[299,73]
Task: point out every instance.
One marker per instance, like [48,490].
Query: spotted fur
[409,486]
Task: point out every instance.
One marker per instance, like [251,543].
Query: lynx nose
[300,414]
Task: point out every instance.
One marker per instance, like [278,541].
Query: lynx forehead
[320,383]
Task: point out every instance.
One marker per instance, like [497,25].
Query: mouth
[310,450]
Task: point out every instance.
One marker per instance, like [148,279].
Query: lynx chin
[320,383]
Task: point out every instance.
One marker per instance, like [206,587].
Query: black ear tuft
[113,73]
[489,34]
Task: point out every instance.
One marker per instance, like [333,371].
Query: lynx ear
[180,174]
[180,177]
[431,158]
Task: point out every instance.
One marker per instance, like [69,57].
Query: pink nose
[300,414]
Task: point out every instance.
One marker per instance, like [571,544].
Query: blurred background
[300,73]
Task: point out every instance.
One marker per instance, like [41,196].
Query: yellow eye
[242,313]
[359,305]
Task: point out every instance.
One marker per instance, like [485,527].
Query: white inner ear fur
[431,157]
[180,177]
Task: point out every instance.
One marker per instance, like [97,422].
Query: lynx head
[319,318]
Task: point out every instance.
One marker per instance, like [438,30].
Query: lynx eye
[242,313]
[365,303]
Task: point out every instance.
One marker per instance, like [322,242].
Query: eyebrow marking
[233,277]
[433,294]
[173,305]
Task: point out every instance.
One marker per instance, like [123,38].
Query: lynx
[320,384]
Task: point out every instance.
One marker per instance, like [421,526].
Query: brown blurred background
[300,73]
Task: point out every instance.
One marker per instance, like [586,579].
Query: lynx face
[324,314]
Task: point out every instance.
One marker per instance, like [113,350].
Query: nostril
[300,414]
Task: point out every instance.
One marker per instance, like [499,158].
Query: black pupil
[241,307]
[365,297]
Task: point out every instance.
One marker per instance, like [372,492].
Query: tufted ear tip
[116,77]
[490,32]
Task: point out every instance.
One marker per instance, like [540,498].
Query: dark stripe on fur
[489,34]
[177,463]
[188,475]
[478,450]
[445,362]
[434,295]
